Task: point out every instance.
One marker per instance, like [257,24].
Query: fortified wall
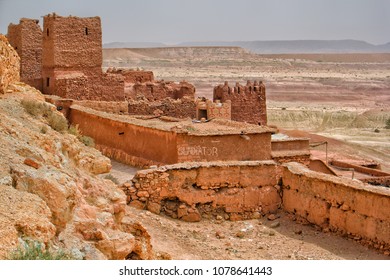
[248,102]
[246,190]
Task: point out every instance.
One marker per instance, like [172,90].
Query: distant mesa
[274,47]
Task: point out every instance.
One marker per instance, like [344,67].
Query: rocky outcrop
[49,190]
[9,65]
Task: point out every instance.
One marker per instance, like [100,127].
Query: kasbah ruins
[200,159]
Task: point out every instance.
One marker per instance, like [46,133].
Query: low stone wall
[246,190]
[338,204]
[190,191]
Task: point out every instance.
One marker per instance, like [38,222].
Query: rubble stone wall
[158,90]
[190,191]
[180,108]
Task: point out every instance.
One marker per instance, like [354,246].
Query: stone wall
[248,102]
[232,190]
[132,76]
[158,90]
[26,39]
[246,190]
[9,65]
[338,204]
[178,108]
[291,149]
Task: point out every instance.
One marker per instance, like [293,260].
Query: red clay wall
[223,147]
[26,39]
[119,138]
[248,102]
[338,204]
[189,192]
[181,108]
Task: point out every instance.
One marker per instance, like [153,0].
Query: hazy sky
[174,21]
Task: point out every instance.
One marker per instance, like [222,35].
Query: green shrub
[112,178]
[57,122]
[88,141]
[34,250]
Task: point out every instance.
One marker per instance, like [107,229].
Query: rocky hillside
[49,188]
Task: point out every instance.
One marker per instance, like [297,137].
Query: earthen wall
[248,102]
[116,137]
[213,110]
[338,204]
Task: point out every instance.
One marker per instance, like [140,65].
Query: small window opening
[47,31]
[47,82]
[86,30]
[121,133]
[202,114]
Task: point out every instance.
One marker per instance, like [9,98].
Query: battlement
[248,102]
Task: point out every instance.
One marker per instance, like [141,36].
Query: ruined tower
[72,56]
[26,39]
[248,103]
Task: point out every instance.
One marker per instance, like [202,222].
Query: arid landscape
[339,98]
[189,152]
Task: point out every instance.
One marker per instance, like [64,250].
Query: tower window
[86,30]
[47,82]
[47,31]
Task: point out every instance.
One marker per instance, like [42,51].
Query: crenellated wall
[248,102]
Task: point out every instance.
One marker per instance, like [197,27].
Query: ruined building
[248,102]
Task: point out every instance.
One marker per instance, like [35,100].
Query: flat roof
[188,126]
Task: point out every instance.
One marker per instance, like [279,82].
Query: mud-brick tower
[26,39]
[72,56]
[248,102]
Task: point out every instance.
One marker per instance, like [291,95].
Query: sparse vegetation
[112,178]
[35,108]
[57,121]
[41,109]
[34,250]
[44,129]
[88,141]
[387,126]
[74,130]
